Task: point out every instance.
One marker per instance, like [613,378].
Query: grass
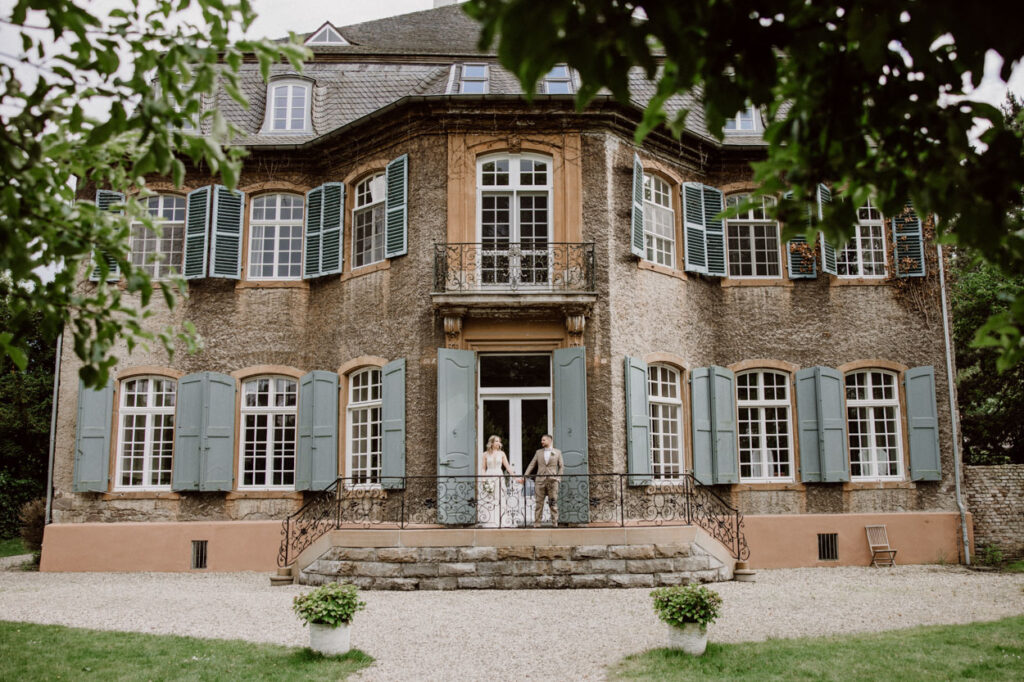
[989,651]
[54,652]
[12,547]
[1014,567]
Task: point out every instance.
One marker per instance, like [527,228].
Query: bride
[490,501]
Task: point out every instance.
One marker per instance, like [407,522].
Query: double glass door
[519,421]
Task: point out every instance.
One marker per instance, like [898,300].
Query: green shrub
[333,604]
[14,493]
[33,521]
[684,604]
[990,555]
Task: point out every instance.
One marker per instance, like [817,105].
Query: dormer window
[473,80]
[747,120]
[326,35]
[288,106]
[558,81]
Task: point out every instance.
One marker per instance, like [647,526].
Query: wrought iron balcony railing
[599,500]
[525,266]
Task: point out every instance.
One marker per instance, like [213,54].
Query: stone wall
[995,497]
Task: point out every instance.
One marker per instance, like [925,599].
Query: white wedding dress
[499,500]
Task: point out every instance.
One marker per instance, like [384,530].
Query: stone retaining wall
[511,568]
[995,496]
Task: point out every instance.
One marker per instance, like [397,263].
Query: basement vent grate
[828,547]
[199,553]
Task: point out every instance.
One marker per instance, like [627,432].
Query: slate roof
[416,54]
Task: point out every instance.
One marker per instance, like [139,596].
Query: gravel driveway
[498,635]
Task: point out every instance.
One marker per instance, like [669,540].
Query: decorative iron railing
[599,500]
[524,266]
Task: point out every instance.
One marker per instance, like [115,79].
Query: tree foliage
[104,101]
[866,96]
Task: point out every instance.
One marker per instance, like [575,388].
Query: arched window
[275,237]
[267,448]
[364,427]
[145,446]
[763,425]
[873,421]
[666,407]
[659,222]
[159,255]
[753,240]
[368,221]
[288,107]
[864,254]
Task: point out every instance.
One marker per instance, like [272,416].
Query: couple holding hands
[547,462]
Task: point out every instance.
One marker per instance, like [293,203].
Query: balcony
[501,275]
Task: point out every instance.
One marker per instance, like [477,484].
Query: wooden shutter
[316,465]
[636,226]
[638,423]
[799,266]
[807,424]
[312,236]
[714,232]
[821,410]
[197,232]
[228,209]
[397,228]
[909,240]
[693,228]
[723,415]
[703,440]
[105,199]
[333,222]
[923,424]
[188,432]
[92,438]
[828,252]
[456,435]
[393,424]
[204,446]
[570,432]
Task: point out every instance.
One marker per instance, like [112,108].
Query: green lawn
[988,651]
[53,652]
[12,547]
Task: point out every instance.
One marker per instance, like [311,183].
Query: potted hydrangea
[687,609]
[328,610]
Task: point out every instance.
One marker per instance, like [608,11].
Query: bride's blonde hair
[490,442]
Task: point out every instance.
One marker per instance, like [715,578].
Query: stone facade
[995,497]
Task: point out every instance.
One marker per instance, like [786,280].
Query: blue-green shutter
[636,231]
[316,465]
[197,232]
[333,222]
[723,414]
[828,252]
[105,199]
[92,438]
[396,241]
[570,389]
[923,424]
[638,422]
[226,256]
[821,411]
[701,424]
[188,432]
[714,231]
[456,436]
[693,228]
[909,240]
[312,236]
[393,424]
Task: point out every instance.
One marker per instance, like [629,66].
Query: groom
[548,463]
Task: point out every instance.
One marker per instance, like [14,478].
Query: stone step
[743,575]
[284,577]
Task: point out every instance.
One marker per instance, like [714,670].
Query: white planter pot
[327,640]
[691,638]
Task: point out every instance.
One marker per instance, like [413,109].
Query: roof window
[326,35]
[473,79]
[558,81]
[747,120]
[288,106]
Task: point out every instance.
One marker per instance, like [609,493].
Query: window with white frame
[368,221]
[364,427]
[753,239]
[873,422]
[514,199]
[288,107]
[158,253]
[763,426]
[664,400]
[275,237]
[146,433]
[473,79]
[558,81]
[746,120]
[659,221]
[864,254]
[269,406]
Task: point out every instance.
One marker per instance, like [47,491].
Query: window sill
[780,485]
[366,270]
[264,495]
[857,281]
[141,495]
[880,485]
[756,282]
[661,269]
[272,284]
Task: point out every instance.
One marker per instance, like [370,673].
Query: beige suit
[549,475]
